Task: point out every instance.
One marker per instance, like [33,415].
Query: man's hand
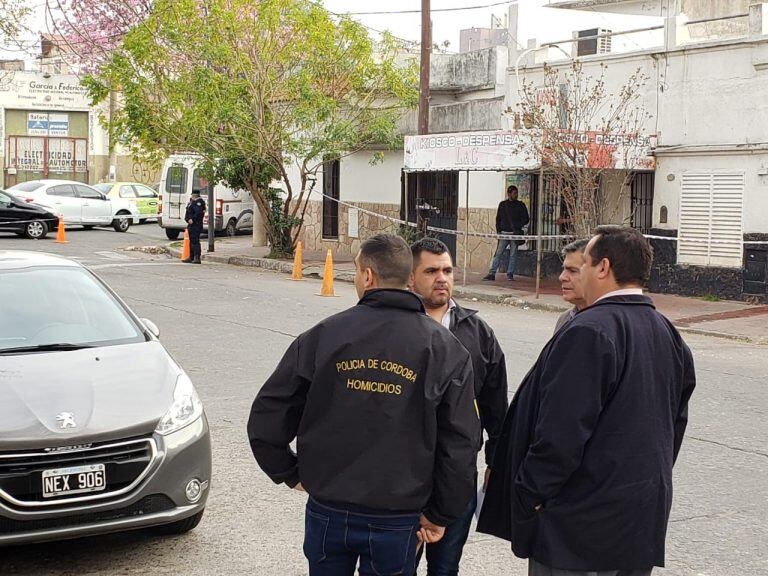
[485,479]
[429,533]
[299,488]
[190,221]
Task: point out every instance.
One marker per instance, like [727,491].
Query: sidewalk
[724,319]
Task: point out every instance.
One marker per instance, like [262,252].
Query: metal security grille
[711,219]
[331,188]
[642,201]
[434,195]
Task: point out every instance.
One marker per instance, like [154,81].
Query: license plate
[74,480]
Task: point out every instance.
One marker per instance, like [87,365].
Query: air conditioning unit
[593,41]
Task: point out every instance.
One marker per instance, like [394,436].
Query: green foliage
[255,87]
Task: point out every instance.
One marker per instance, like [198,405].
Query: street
[228,327]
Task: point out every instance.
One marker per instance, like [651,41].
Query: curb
[464,294]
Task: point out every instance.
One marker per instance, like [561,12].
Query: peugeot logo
[66,420]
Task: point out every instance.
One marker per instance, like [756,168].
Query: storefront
[47,130]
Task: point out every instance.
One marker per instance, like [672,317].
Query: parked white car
[78,203]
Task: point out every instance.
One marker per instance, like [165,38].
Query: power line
[456,9]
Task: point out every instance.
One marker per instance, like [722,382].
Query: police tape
[525,237]
[11,223]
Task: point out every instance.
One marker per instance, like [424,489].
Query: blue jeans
[444,556]
[500,252]
[334,540]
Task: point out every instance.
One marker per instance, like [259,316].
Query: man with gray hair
[380,400]
[570,280]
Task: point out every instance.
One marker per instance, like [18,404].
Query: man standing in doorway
[511,216]
[570,281]
[582,477]
[432,279]
[194,218]
[380,400]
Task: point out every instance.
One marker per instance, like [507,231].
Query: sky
[535,21]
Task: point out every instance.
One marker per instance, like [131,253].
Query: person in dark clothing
[381,401]
[194,219]
[582,477]
[432,279]
[511,216]
[570,281]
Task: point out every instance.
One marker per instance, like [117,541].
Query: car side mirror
[151,326]
[104,197]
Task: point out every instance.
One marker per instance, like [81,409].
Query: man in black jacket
[582,481]
[511,216]
[380,399]
[432,279]
[194,219]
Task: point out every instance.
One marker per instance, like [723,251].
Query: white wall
[486,189]
[667,193]
[362,182]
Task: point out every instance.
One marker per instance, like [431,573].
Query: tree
[93,29]
[260,90]
[13,16]
[588,138]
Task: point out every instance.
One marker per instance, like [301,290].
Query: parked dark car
[25,219]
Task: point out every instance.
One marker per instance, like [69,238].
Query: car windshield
[63,306]
[103,188]
[27,186]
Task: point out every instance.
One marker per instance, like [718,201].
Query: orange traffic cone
[185,250]
[327,288]
[61,233]
[297,267]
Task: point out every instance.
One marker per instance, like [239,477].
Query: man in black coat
[595,427]
[380,400]
[432,279]
[194,218]
[511,216]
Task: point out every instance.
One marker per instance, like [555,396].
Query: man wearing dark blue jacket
[582,481]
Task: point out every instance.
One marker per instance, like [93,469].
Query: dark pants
[195,251]
[537,569]
[443,557]
[334,540]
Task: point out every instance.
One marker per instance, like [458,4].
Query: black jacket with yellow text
[380,399]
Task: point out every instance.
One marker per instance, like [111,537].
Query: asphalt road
[229,326]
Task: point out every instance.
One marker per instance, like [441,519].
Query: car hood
[109,393]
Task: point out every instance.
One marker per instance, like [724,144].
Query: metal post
[466,232]
[539,226]
[211,220]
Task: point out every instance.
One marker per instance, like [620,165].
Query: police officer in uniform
[194,218]
[380,399]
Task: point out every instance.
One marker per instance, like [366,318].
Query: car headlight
[186,407]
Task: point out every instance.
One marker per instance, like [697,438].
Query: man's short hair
[389,257]
[575,246]
[431,245]
[511,188]
[628,251]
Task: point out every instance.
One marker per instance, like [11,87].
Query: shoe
[187,260]
[196,261]
[511,277]
[490,277]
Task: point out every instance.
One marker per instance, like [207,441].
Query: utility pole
[426,52]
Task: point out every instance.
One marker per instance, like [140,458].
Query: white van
[233,209]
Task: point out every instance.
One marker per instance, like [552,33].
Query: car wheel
[122,224]
[231,229]
[36,230]
[180,527]
[88,226]
[172,233]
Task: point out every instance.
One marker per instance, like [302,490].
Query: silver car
[100,430]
